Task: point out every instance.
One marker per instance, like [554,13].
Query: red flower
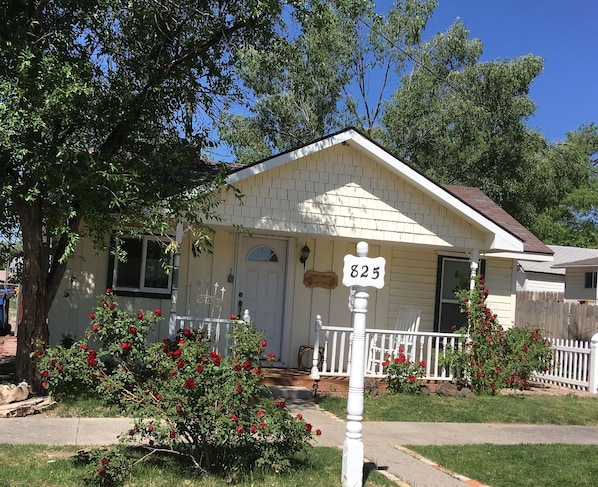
[180,364]
[237,368]
[215,358]
[95,328]
[411,379]
[270,357]
[178,409]
[109,291]
[84,347]
[260,413]
[264,343]
[44,385]
[172,434]
[158,397]
[101,471]
[92,315]
[234,417]
[253,429]
[308,426]
[111,306]
[262,425]
[45,374]
[299,416]
[233,317]
[199,368]
[279,403]
[140,315]
[189,384]
[422,363]
[247,365]
[133,330]
[105,461]
[256,371]
[158,312]
[318,432]
[126,346]
[240,428]
[150,428]
[187,332]
[239,389]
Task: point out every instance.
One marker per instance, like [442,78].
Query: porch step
[291,392]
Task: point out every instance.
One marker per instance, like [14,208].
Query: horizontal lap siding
[499,282]
[412,280]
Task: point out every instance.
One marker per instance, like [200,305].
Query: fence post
[315,372]
[594,364]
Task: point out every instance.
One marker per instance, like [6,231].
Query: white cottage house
[302,212]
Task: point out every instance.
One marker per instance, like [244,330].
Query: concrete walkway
[382,440]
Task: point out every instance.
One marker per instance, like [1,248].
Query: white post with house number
[359,272]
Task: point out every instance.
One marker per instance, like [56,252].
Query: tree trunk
[33,328]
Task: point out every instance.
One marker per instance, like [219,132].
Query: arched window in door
[262,254]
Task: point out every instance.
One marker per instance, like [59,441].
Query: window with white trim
[591,279]
[143,270]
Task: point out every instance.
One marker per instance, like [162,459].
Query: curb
[466,480]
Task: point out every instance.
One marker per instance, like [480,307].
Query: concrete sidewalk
[382,440]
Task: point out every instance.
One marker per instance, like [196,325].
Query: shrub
[489,358]
[403,375]
[186,397]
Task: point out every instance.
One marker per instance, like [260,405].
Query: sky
[563,32]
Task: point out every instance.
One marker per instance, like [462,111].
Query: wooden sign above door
[326,280]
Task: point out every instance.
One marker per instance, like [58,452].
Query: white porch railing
[217,330]
[574,364]
[334,343]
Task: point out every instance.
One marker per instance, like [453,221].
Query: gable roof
[592,262]
[505,233]
[477,199]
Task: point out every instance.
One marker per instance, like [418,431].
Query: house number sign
[364,271]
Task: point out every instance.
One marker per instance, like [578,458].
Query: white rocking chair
[388,344]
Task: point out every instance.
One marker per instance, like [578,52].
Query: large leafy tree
[564,190]
[103,109]
[324,77]
[463,121]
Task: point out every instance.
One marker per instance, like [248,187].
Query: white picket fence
[574,364]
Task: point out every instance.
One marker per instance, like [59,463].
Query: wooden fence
[558,319]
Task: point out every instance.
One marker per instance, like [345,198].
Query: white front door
[260,286]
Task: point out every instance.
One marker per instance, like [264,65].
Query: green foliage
[488,357]
[403,375]
[186,397]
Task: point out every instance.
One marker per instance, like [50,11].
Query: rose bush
[403,375]
[186,397]
[488,357]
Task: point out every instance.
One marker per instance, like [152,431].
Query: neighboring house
[572,272]
[303,211]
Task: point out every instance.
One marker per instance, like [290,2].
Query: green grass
[27,465]
[82,407]
[520,465]
[531,409]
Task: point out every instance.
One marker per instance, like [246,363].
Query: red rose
[189,384]
[92,315]
[234,417]
[318,432]
[44,385]
[299,416]
[112,306]
[158,397]
[158,312]
[126,346]
[308,426]
[95,328]
[133,330]
[237,368]
[172,434]
[247,365]
[260,413]
[45,374]
[140,315]
[180,364]
[150,428]
[264,343]
[109,291]
[262,425]
[270,357]
[179,409]
[239,389]
[233,317]
[101,471]
[105,461]
[253,429]
[84,347]
[199,368]
[240,428]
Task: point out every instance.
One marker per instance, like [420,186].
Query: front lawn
[530,409]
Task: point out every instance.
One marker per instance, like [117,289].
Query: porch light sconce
[304,255]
